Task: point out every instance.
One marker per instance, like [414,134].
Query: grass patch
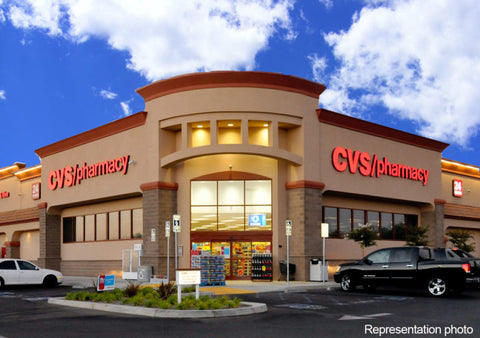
[162,298]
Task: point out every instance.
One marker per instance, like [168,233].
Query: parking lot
[24,312]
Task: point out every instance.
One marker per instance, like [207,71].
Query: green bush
[151,298]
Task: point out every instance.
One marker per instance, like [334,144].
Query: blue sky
[67,66]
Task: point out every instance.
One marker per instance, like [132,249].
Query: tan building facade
[235,154]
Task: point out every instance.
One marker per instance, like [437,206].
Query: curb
[248,308]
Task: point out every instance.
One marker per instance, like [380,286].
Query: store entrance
[237,255]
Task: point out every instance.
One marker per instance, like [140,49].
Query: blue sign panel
[257,220]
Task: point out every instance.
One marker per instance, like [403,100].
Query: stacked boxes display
[212,269]
[262,267]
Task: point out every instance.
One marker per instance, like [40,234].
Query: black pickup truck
[406,266]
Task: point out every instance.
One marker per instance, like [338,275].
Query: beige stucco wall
[383,186]
[30,245]
[132,142]
[471,189]
[20,194]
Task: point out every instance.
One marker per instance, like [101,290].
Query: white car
[21,272]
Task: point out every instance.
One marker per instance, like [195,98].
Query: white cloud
[125,105]
[107,94]
[420,59]
[43,14]
[3,94]
[327,3]
[164,38]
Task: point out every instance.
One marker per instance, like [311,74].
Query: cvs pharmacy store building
[235,154]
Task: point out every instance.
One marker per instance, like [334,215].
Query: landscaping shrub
[152,298]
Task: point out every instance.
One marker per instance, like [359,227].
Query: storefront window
[231,218]
[358,218]
[137,223]
[345,222]
[125,224]
[204,218]
[373,219]
[79,229]
[89,228]
[233,205]
[231,193]
[68,229]
[387,225]
[113,225]
[204,193]
[390,226]
[399,227]
[258,192]
[330,217]
[258,218]
[101,228]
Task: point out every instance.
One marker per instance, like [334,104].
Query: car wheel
[347,283]
[50,281]
[2,283]
[437,286]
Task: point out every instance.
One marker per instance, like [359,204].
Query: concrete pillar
[159,204]
[304,209]
[50,239]
[434,219]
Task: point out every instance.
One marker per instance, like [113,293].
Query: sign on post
[188,277]
[106,282]
[324,235]
[324,230]
[176,223]
[167,228]
[176,230]
[288,227]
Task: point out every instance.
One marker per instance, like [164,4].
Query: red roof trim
[98,133]
[348,122]
[231,79]
[305,184]
[158,185]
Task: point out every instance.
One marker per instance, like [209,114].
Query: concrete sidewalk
[231,287]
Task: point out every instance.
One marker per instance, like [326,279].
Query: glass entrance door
[223,249]
[237,255]
[241,260]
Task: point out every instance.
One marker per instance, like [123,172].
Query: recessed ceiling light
[199,126]
[230,124]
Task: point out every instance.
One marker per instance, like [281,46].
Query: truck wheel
[347,283]
[437,286]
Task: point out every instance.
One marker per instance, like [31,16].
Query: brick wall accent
[50,239]
[462,212]
[159,204]
[19,216]
[12,249]
[92,268]
[304,208]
